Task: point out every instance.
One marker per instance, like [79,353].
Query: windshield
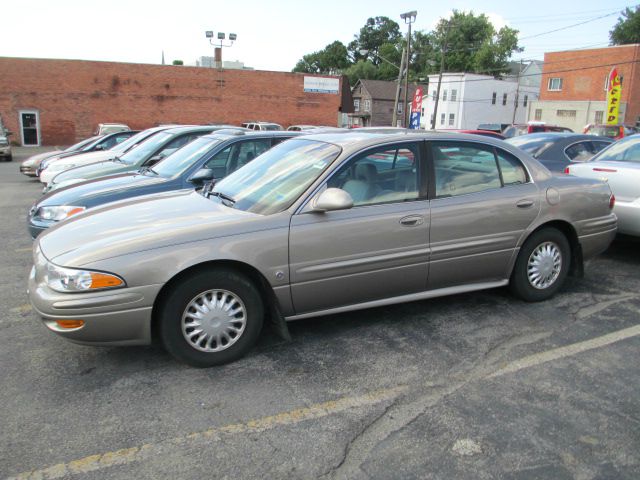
[182,159]
[140,153]
[133,140]
[534,146]
[275,179]
[79,145]
[625,150]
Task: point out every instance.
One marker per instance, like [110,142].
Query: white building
[469,99]
[210,62]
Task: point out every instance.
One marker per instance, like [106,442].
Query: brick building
[573,88]
[62,101]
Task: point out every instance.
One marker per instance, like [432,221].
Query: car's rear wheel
[211,318]
[542,265]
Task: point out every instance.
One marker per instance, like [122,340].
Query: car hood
[89,157]
[93,170]
[36,159]
[151,222]
[83,193]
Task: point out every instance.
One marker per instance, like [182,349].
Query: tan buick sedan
[320,224]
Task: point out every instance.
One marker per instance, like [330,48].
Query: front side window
[272,182]
[389,174]
[625,150]
[184,158]
[462,168]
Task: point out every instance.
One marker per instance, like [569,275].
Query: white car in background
[53,168]
[618,164]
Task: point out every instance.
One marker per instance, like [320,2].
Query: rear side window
[513,172]
[579,152]
[464,168]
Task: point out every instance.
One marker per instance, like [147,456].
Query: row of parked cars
[194,236]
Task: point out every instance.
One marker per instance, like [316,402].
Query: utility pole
[444,50]
[398,87]
[515,106]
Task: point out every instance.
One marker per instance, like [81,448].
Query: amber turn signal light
[102,280]
[70,323]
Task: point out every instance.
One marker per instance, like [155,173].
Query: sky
[272,34]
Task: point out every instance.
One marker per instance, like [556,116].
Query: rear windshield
[605,131]
[534,146]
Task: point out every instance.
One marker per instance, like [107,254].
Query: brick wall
[73,96]
[583,74]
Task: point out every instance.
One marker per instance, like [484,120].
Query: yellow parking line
[22,308]
[573,349]
[20,250]
[136,454]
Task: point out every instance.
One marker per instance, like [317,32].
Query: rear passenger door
[482,201]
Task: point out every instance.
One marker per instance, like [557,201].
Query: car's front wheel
[542,265]
[211,318]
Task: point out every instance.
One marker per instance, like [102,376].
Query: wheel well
[576,268]
[268,297]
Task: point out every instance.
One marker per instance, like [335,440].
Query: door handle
[412,221]
[524,204]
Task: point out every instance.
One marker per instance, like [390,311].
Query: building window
[493,99]
[356,104]
[442,117]
[504,99]
[538,114]
[367,105]
[555,84]
[566,113]
[599,116]
[454,95]
[526,100]
[452,118]
[444,95]
[431,121]
[399,107]
[434,94]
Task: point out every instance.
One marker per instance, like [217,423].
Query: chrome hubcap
[544,265]
[214,320]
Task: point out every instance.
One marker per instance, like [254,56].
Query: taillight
[612,201]
[566,170]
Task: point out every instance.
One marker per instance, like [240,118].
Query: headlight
[58,212]
[71,280]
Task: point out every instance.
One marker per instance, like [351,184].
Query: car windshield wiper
[144,170]
[225,199]
[117,159]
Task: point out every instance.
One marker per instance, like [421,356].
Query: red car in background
[532,127]
[611,131]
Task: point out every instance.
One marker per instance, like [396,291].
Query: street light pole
[218,49]
[409,18]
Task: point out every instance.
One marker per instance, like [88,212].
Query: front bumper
[111,317]
[29,170]
[5,152]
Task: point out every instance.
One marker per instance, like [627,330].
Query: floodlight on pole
[220,43]
[209,33]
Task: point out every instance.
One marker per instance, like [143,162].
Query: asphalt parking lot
[474,386]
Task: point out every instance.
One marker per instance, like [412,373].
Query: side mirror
[201,176]
[332,199]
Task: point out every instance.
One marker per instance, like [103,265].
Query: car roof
[252,134]
[556,136]
[197,128]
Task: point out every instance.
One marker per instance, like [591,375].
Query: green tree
[178,62]
[627,30]
[362,69]
[375,33]
[473,45]
[333,59]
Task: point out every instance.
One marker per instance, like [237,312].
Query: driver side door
[378,248]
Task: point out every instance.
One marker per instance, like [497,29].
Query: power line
[569,26]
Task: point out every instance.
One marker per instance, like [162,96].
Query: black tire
[520,283]
[174,306]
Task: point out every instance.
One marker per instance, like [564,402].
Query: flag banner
[416,109]
[614,94]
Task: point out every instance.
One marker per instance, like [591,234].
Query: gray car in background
[317,225]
